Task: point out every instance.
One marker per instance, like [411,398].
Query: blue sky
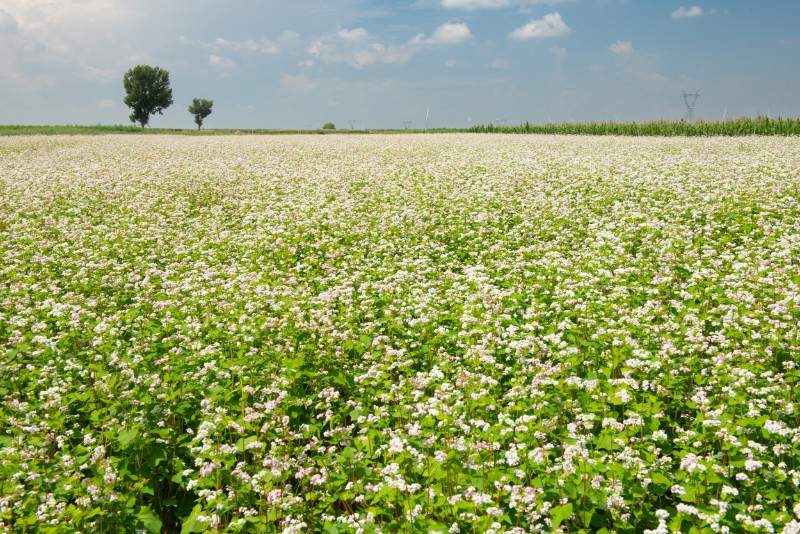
[297,64]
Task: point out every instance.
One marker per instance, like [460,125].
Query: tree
[147,92]
[328,126]
[200,108]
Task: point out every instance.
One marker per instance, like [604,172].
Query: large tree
[147,92]
[200,108]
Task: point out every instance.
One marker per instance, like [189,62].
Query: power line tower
[689,99]
[352,123]
[406,124]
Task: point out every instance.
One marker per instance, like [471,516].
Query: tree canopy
[147,92]
[200,108]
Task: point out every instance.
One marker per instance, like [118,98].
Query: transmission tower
[689,99]
[352,123]
[406,124]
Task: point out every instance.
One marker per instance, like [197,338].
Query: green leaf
[658,478]
[571,490]
[295,363]
[586,518]
[92,513]
[605,441]
[149,520]
[689,496]
[126,436]
[559,513]
[192,524]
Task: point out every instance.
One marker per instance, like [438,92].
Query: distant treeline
[733,127]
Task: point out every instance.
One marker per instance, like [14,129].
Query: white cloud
[621,47]
[356,34]
[448,33]
[472,5]
[450,63]
[633,64]
[220,62]
[83,38]
[475,4]
[559,53]
[687,12]
[262,46]
[551,25]
[106,103]
[501,64]
[357,50]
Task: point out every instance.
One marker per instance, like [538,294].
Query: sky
[381,64]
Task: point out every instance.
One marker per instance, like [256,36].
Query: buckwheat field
[402,333]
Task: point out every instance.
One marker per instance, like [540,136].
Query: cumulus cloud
[68,38]
[500,64]
[475,4]
[551,25]
[634,64]
[220,62]
[621,47]
[359,49]
[448,33]
[689,12]
[356,48]
[472,5]
[356,34]
[262,46]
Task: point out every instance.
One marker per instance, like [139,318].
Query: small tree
[147,92]
[200,108]
[328,126]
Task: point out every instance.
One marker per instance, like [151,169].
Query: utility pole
[689,99]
